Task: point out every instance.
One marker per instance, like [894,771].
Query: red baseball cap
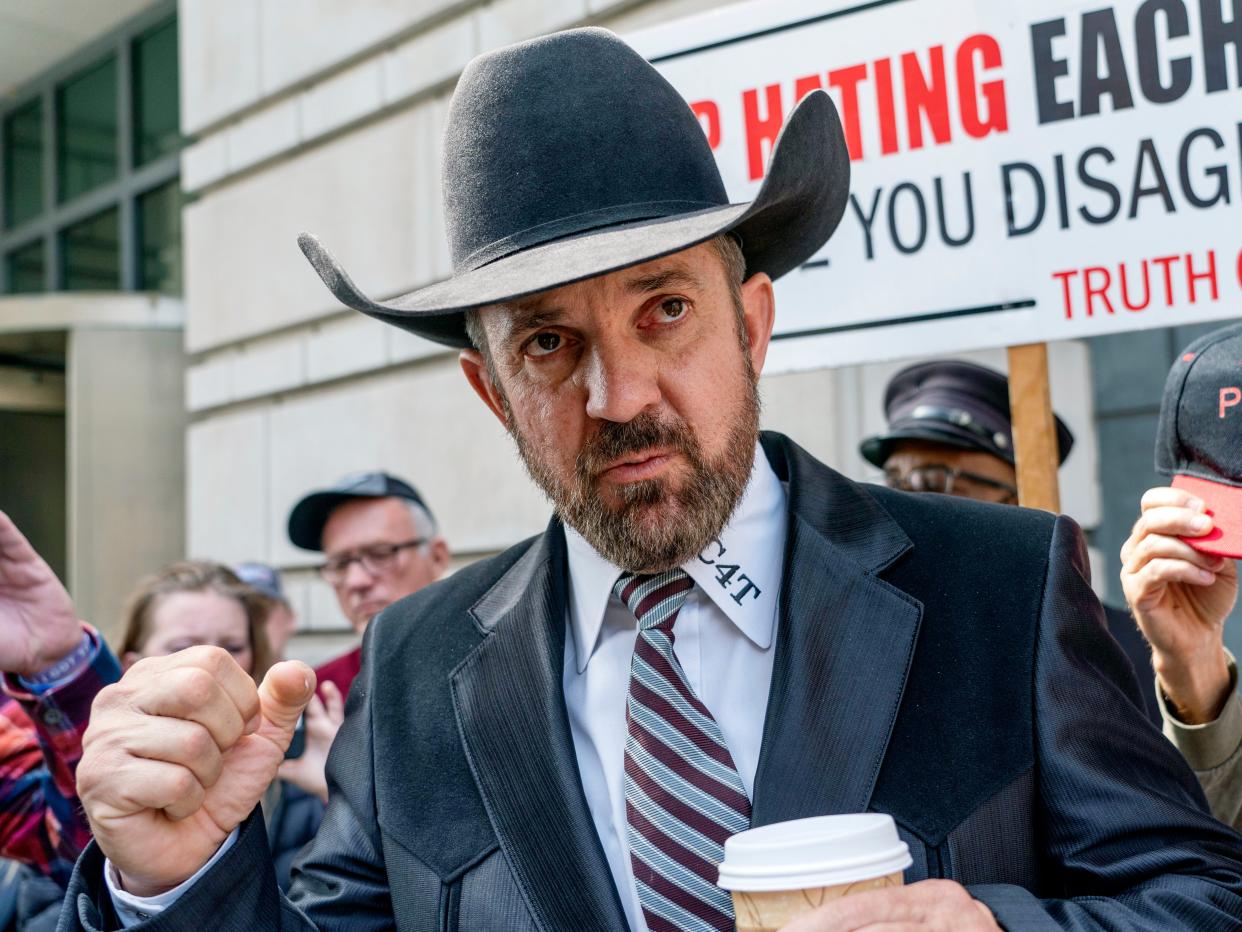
[1200,439]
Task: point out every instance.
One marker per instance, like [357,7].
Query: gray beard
[680,523]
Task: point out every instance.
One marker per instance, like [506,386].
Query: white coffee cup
[781,871]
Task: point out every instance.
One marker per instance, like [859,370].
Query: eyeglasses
[943,479]
[377,560]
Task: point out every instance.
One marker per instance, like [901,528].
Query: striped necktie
[683,795]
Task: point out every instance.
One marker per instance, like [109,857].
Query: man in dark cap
[949,431]
[380,543]
[714,632]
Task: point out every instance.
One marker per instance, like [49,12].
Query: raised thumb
[283,695]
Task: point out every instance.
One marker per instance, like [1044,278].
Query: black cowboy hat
[569,156]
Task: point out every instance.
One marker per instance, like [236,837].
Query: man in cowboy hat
[715,632]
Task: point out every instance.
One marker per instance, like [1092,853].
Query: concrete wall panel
[635,16]
[126,421]
[342,98]
[505,21]
[406,347]
[294,113]
[345,346]
[204,162]
[244,272]
[267,366]
[226,467]
[803,406]
[432,261]
[423,423]
[219,59]
[431,58]
[266,133]
[209,384]
[300,38]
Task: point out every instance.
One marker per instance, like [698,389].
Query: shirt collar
[740,571]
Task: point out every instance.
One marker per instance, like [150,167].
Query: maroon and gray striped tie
[683,795]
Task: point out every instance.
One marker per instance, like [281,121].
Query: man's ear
[759,316]
[440,555]
[480,380]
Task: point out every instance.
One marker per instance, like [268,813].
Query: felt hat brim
[798,207]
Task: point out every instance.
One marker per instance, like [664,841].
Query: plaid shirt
[41,821]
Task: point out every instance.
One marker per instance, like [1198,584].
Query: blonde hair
[198,576]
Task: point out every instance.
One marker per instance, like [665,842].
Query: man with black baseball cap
[950,431]
[380,544]
[1179,565]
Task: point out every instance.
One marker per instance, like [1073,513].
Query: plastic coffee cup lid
[810,853]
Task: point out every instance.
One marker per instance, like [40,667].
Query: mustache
[614,440]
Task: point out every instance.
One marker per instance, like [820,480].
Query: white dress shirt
[725,643]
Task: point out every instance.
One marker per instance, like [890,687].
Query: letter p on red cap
[1229,398]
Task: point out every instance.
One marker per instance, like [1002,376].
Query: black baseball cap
[1200,439]
[309,515]
[951,402]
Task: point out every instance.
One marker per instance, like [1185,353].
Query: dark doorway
[33,481]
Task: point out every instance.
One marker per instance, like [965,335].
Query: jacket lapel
[844,646]
[511,714]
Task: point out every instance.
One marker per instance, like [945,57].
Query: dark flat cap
[310,514]
[951,402]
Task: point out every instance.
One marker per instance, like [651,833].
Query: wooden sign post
[1034,428]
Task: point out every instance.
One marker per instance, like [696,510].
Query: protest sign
[1025,171]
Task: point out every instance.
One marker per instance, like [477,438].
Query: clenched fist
[178,753]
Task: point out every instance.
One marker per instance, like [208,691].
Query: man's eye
[673,308]
[544,343]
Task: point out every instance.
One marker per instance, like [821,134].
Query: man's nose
[356,576]
[622,380]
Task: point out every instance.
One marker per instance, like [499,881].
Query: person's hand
[38,625]
[1180,599]
[323,721]
[932,905]
[177,754]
